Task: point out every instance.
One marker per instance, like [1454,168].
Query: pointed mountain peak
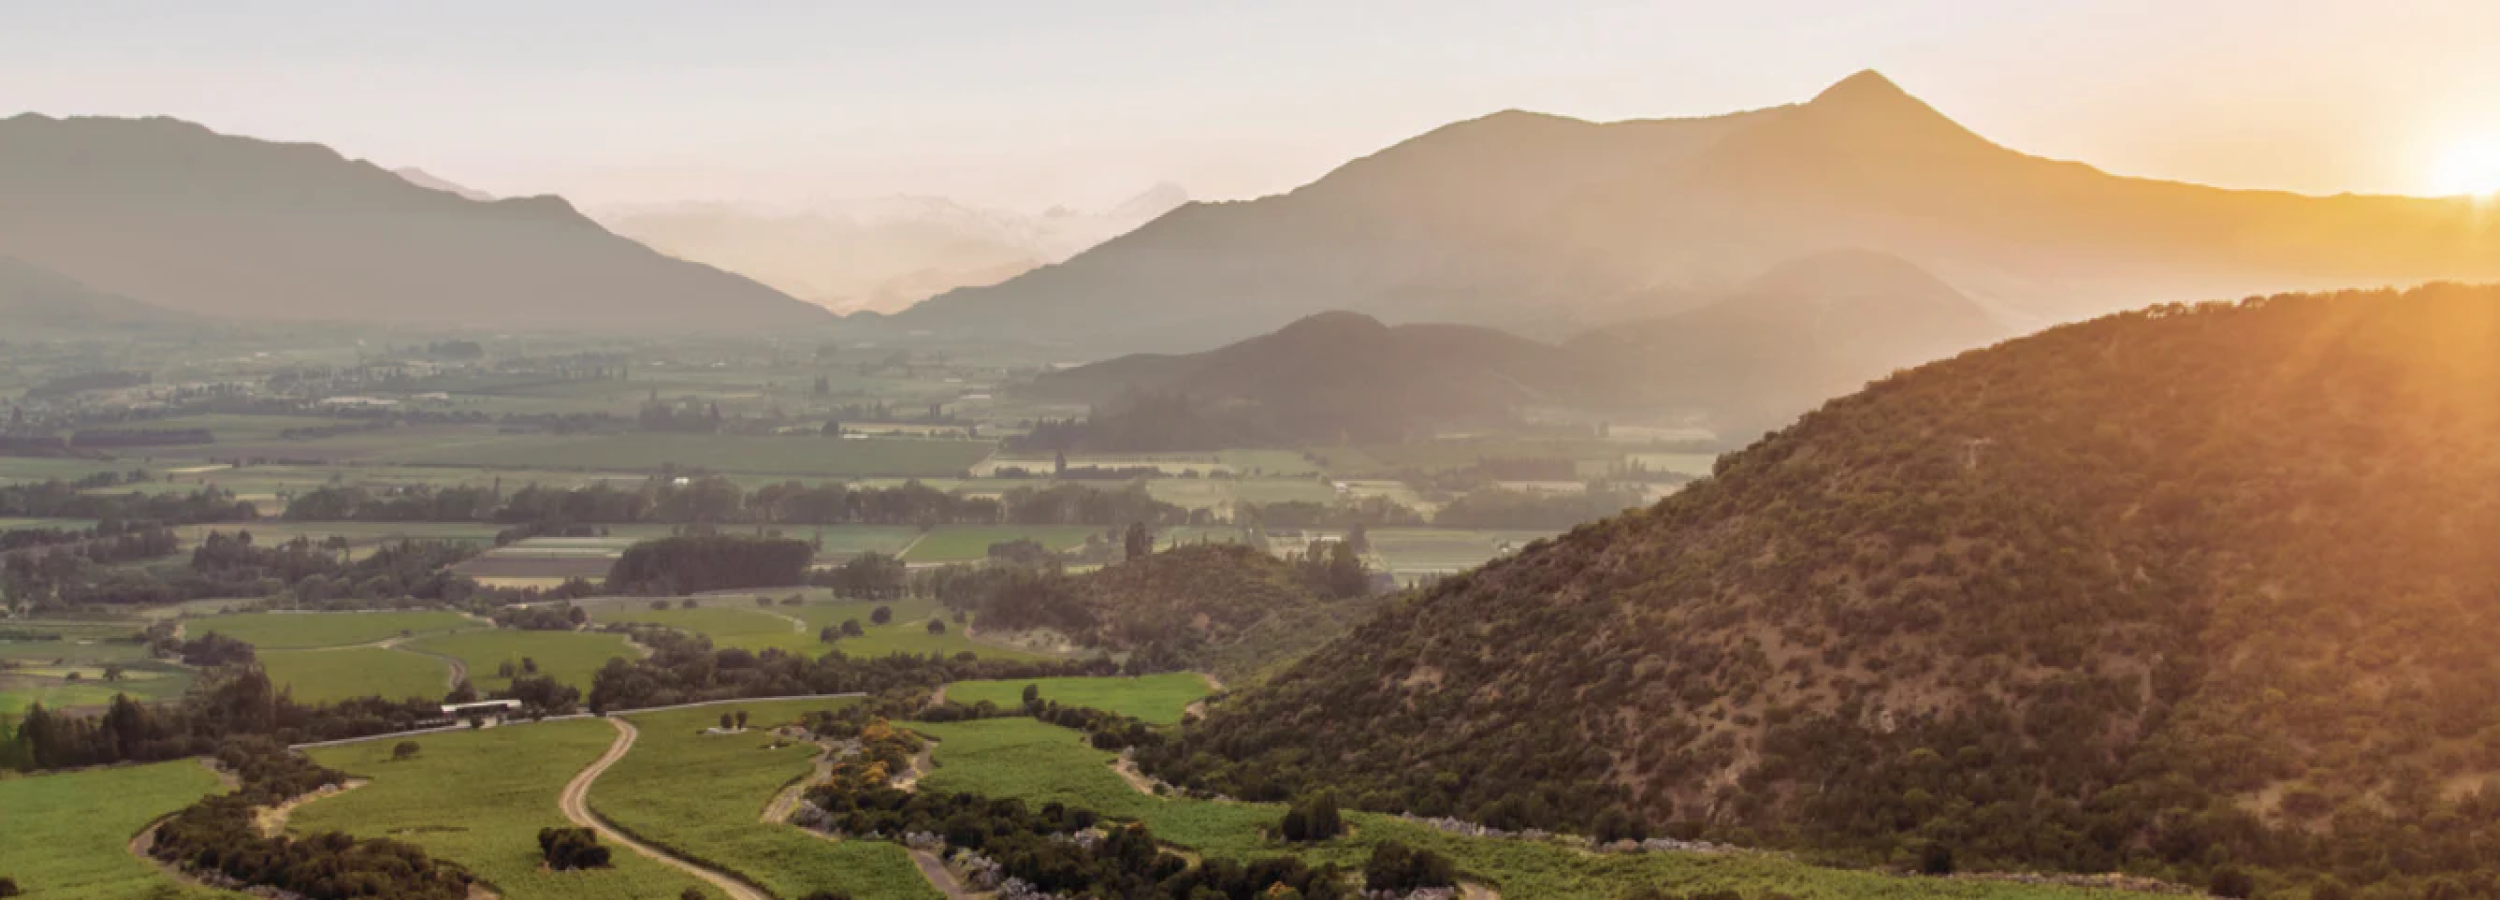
[1868,86]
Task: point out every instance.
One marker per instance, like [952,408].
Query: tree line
[717,500]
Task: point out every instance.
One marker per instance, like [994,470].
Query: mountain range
[1753,358]
[37,299]
[176,216]
[1552,226]
[884,254]
[2177,591]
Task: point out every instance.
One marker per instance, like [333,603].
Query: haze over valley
[1291,452]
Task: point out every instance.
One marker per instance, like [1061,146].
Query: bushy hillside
[2190,591]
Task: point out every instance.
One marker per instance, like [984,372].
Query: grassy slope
[67,836]
[1040,763]
[324,676]
[567,656]
[1159,699]
[478,798]
[703,796]
[295,631]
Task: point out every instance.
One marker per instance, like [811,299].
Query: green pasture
[295,631]
[478,798]
[1159,699]
[329,676]
[66,836]
[703,796]
[570,657]
[1037,763]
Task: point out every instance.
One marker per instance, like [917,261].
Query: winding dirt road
[576,805]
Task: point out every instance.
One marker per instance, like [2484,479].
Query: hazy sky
[1031,103]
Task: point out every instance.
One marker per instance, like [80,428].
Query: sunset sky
[1029,104]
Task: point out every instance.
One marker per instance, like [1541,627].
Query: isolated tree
[828,634]
[851,628]
[763,601]
[742,719]
[529,666]
[1935,859]
[576,615]
[405,750]
[461,693]
[113,671]
[937,625]
[727,721]
[1138,542]
[881,615]
[690,894]
[687,603]
[659,604]
[1032,692]
[9,888]
[505,669]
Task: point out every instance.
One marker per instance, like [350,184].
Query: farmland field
[970,543]
[702,795]
[478,798]
[724,453]
[292,631]
[907,632]
[1037,763]
[1159,699]
[726,624]
[328,676]
[569,657]
[66,836]
[1411,551]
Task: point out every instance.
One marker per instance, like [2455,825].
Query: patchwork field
[293,631]
[66,836]
[478,798]
[63,664]
[1159,699]
[971,543]
[800,455]
[703,796]
[1024,759]
[328,676]
[570,657]
[1427,551]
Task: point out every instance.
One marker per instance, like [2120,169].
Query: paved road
[576,805]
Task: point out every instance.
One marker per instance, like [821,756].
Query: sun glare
[2471,166]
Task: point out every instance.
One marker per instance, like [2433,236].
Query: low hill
[1338,375]
[1814,328]
[1228,608]
[35,298]
[2187,591]
[211,224]
[1549,226]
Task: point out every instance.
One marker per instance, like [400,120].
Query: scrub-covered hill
[2194,591]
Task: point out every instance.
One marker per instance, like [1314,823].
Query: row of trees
[717,500]
[688,565]
[219,840]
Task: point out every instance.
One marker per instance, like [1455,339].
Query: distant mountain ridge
[199,222]
[35,298]
[1341,374]
[1748,360]
[883,254]
[1551,226]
